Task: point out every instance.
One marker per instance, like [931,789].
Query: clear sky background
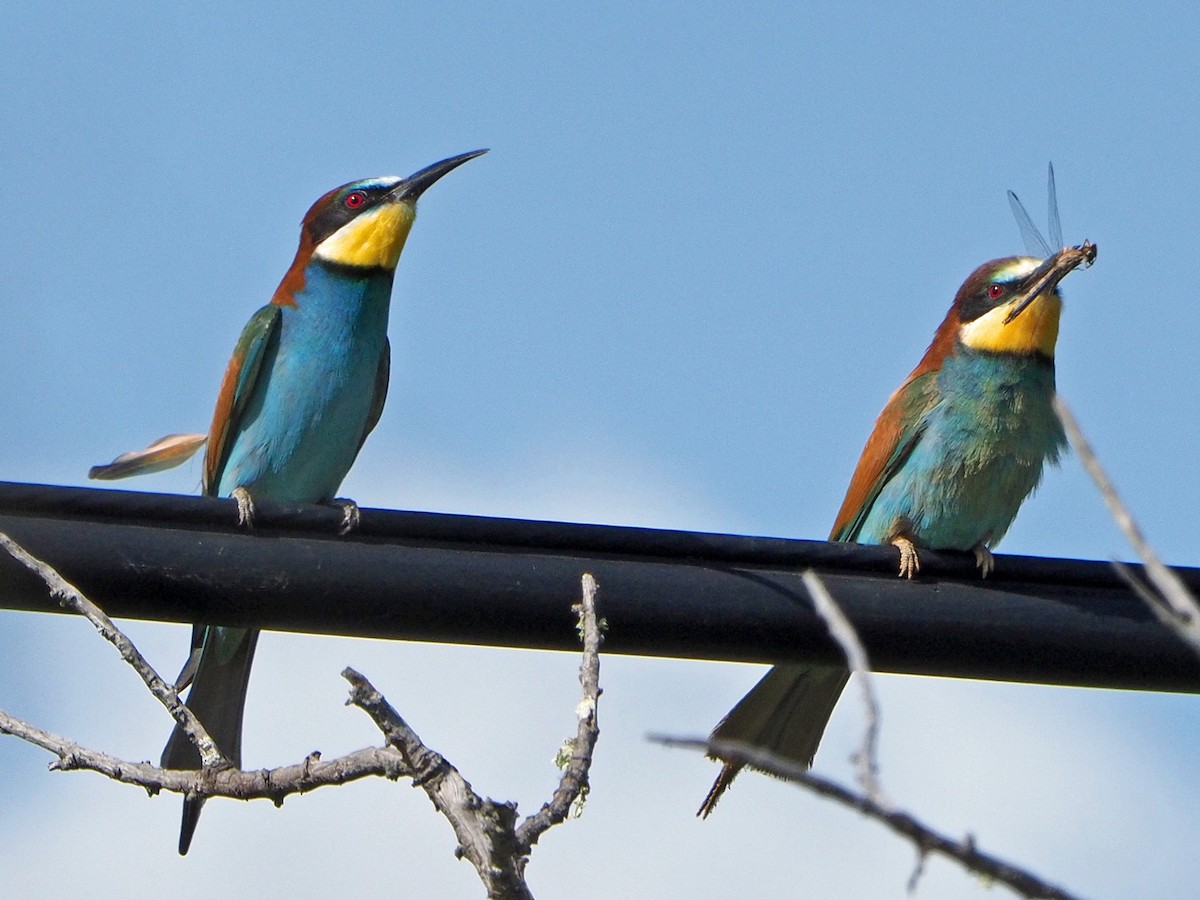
[706,246]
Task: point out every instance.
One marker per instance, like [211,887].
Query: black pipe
[510,582]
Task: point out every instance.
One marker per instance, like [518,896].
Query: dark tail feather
[724,780]
[191,818]
[218,699]
[785,715]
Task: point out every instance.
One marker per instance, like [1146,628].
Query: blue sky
[706,246]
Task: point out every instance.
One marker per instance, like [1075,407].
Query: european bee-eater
[306,385]
[956,450]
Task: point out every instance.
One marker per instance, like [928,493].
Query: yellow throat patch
[372,240]
[1035,330]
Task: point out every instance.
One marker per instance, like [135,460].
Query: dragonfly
[1035,244]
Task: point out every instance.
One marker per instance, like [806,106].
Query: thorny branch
[488,833]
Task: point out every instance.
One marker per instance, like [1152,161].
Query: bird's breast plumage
[981,451]
[303,425]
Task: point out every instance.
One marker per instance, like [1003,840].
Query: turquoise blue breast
[304,423]
[980,454]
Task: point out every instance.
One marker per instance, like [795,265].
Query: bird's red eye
[995,290]
[355,200]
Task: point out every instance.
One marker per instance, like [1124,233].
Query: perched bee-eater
[956,450]
[306,384]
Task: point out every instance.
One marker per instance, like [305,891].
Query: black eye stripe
[338,212]
[981,302]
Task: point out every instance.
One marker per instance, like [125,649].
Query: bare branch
[573,786]
[483,827]
[70,597]
[872,802]
[865,760]
[1174,604]
[487,831]
[269,784]
[965,851]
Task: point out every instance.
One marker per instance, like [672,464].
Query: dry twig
[71,598]
[260,784]
[865,759]
[488,833]
[573,785]
[965,852]
[872,802]
[1173,603]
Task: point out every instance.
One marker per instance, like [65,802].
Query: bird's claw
[245,507]
[910,564]
[984,560]
[351,515]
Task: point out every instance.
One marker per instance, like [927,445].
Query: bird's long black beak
[416,184]
[1046,276]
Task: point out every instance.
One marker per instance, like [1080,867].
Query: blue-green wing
[897,432]
[241,376]
[379,394]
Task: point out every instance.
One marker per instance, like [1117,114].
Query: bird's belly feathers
[980,455]
[303,427]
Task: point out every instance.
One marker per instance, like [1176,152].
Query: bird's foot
[910,565]
[245,507]
[984,560]
[351,515]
